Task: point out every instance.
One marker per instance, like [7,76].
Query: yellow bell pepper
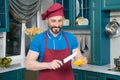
[78,62]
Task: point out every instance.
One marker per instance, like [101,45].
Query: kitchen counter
[100,69]
[19,64]
[15,65]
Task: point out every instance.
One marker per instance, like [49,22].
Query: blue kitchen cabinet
[73,9]
[78,74]
[91,75]
[110,77]
[100,43]
[4,16]
[111,4]
[30,75]
[86,75]
[12,75]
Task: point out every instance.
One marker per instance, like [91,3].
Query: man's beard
[55,31]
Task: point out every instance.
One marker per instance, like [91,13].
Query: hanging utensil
[86,47]
[77,7]
[112,29]
[82,20]
[82,7]
[81,44]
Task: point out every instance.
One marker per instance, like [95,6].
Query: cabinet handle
[0,23]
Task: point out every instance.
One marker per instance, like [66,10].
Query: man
[48,49]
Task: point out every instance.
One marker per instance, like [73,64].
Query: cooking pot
[117,62]
[112,29]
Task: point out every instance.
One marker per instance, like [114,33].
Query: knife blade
[65,60]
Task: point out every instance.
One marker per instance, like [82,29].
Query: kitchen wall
[44,5]
[114,43]
[2,46]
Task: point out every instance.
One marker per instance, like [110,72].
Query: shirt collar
[50,36]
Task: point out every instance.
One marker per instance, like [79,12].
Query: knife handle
[62,61]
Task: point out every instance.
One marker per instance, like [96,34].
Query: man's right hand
[55,64]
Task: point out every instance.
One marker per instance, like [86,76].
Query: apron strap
[46,40]
[66,40]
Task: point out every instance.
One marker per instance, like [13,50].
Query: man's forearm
[34,65]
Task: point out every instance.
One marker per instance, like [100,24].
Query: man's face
[55,23]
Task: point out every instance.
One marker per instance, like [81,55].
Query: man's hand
[80,62]
[80,57]
[55,64]
[85,61]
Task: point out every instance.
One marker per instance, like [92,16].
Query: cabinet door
[12,75]
[111,4]
[30,75]
[73,10]
[100,43]
[91,76]
[0,78]
[4,16]
[110,77]
[78,74]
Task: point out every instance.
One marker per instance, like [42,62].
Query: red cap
[54,10]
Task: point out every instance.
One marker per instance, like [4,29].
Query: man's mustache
[56,27]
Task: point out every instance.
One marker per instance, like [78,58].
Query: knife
[65,60]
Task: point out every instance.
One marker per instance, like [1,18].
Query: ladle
[82,20]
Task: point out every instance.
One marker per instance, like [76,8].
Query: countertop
[19,64]
[99,69]
[15,65]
